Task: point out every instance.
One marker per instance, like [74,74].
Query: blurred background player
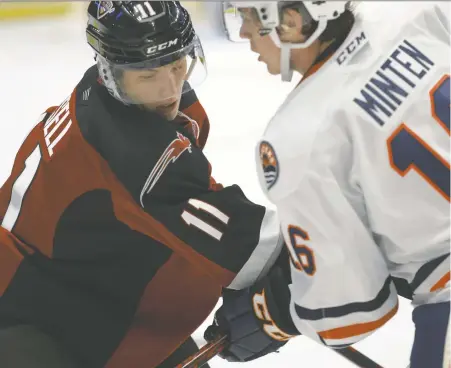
[357,162]
[115,241]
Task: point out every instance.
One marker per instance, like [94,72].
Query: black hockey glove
[256,319]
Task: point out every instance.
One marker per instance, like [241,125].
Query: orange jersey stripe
[441,283]
[357,329]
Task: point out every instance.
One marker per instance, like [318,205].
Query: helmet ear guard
[321,12]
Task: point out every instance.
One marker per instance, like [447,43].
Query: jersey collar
[325,56]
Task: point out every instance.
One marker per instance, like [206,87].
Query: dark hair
[337,29]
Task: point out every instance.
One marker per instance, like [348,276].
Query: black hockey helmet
[138,35]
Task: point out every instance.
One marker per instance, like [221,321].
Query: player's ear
[290,29]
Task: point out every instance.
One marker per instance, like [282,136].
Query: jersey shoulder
[137,144]
[198,121]
[298,137]
[398,67]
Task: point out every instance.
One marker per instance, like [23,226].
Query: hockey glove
[256,320]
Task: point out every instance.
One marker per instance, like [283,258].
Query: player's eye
[179,65]
[246,15]
[264,31]
[147,77]
[242,14]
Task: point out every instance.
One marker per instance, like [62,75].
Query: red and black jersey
[114,238]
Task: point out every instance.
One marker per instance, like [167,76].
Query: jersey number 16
[407,151]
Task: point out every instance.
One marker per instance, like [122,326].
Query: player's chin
[172,114]
[169,111]
[273,69]
[169,114]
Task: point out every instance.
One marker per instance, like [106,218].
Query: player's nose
[244,32]
[171,87]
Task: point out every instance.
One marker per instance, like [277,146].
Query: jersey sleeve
[341,289]
[221,224]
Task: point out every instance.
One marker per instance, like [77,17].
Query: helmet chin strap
[285,49]
[285,67]
[285,55]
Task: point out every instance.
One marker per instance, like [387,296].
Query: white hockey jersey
[357,162]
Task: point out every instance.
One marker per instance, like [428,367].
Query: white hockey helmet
[270,16]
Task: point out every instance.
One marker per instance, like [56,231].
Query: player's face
[158,89]
[289,31]
[264,46]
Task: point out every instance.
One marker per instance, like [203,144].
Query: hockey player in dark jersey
[115,241]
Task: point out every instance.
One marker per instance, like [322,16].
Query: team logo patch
[104,8]
[170,155]
[269,163]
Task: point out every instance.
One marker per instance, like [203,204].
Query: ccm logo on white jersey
[162,46]
[359,41]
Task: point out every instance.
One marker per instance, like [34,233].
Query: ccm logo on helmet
[162,46]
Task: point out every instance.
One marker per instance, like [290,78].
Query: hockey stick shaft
[207,352]
[356,357]
[213,348]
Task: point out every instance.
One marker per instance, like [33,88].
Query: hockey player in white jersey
[357,162]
